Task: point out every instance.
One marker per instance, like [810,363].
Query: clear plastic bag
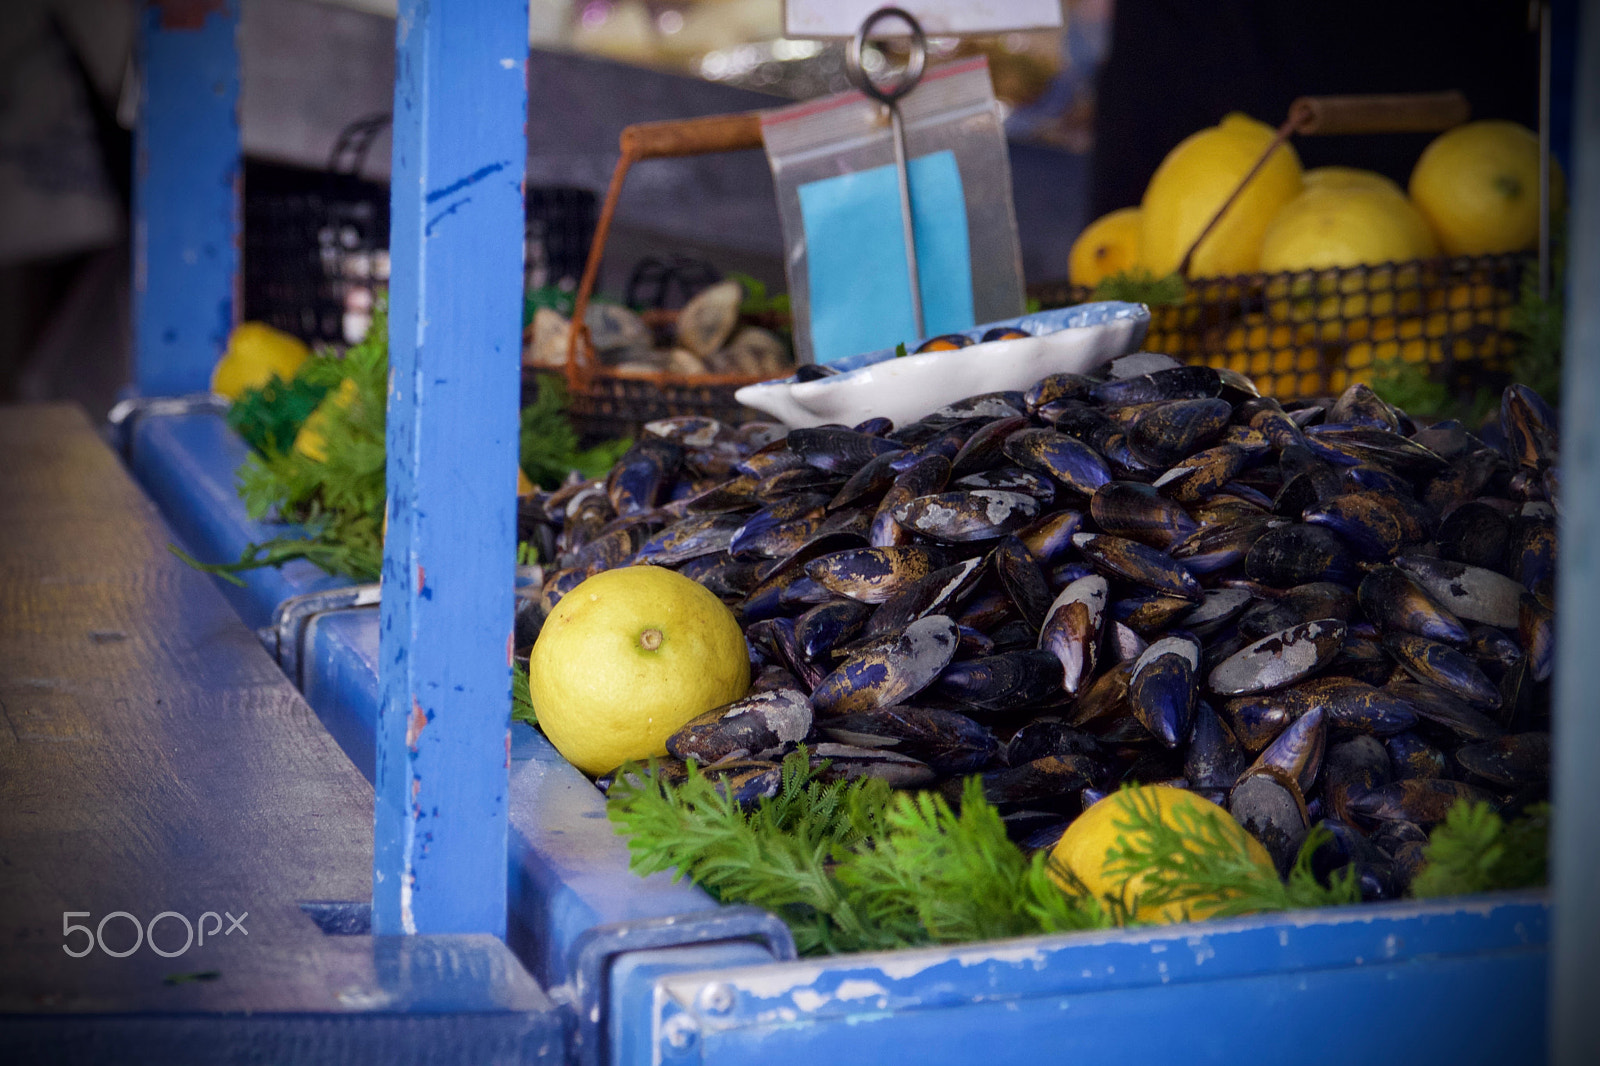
[833,167]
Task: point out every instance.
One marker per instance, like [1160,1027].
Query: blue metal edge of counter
[188,465]
[568,874]
[1409,968]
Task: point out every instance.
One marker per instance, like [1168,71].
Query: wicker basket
[606,400]
[1315,332]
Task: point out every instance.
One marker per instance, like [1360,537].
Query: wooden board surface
[153,758]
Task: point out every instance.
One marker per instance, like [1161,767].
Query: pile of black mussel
[1310,612]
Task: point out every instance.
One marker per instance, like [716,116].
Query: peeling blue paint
[471,179]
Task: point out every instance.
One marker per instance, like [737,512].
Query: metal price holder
[890,96]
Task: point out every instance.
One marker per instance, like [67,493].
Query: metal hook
[889,96]
[914,63]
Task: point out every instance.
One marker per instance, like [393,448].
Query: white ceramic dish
[876,384]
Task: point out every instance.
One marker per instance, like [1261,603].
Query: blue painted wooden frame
[455,342]
[1575,861]
[185,194]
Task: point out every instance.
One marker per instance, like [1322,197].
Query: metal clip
[290,618]
[594,949]
[122,418]
[890,97]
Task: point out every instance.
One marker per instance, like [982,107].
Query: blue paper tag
[856,257]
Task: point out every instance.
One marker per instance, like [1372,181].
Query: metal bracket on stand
[597,948]
[124,417]
[285,638]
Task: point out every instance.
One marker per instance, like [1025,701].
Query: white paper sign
[939,18]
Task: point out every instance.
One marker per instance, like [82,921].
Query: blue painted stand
[188,464]
[455,347]
[1577,727]
[185,194]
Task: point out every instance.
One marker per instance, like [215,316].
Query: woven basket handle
[649,140]
[1327,115]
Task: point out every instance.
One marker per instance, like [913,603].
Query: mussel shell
[1529,426]
[1536,628]
[1445,711]
[1051,782]
[1049,735]
[641,477]
[1349,445]
[837,450]
[941,592]
[968,515]
[828,625]
[1441,665]
[1023,580]
[1390,599]
[1138,512]
[1475,533]
[1049,535]
[1273,815]
[1358,405]
[1214,758]
[1063,386]
[1106,696]
[1220,606]
[690,538]
[884,678]
[1297,751]
[1175,430]
[950,743]
[1149,613]
[1469,592]
[1374,524]
[1353,767]
[1298,554]
[1164,689]
[759,726]
[1512,761]
[1176,383]
[846,762]
[1303,603]
[1216,546]
[1467,476]
[1279,659]
[1533,553]
[1423,800]
[1011,479]
[1132,561]
[1004,682]
[985,448]
[1202,474]
[1066,459]
[869,482]
[1354,706]
[872,575]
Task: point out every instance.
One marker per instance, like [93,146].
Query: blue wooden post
[460,152]
[185,193]
[1575,936]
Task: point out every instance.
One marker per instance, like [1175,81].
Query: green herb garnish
[1137,285]
[1475,850]
[521,701]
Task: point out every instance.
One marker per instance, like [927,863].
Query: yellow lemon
[312,440]
[1107,246]
[1478,187]
[1345,226]
[1195,179]
[1349,178]
[626,659]
[1085,847]
[256,354]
